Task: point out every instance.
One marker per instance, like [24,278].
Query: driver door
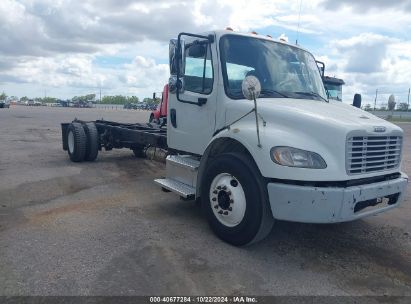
[192,107]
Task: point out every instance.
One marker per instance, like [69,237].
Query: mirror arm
[204,68]
[322,71]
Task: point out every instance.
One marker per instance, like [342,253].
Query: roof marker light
[228,29]
[254,33]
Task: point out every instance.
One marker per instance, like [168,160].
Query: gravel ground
[104,228]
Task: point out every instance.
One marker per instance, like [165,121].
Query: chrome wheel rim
[227,199]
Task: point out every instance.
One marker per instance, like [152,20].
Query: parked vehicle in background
[252,136]
[159,115]
[4,104]
[333,87]
[130,106]
[29,102]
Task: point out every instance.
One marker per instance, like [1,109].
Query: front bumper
[334,204]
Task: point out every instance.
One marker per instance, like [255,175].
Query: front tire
[235,200]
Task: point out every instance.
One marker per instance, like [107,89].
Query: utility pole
[100,94]
[375,101]
[409,90]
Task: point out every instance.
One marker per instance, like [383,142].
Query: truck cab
[333,86]
[310,158]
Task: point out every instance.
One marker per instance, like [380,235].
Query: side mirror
[176,62]
[176,56]
[357,101]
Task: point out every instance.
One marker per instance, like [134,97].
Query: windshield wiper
[269,91]
[264,92]
[312,93]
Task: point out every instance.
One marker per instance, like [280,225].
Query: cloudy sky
[71,47]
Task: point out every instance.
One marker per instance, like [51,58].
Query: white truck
[251,135]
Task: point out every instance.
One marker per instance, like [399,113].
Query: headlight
[292,157]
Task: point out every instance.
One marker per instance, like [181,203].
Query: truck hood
[311,125]
[336,114]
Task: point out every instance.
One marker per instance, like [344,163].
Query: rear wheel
[76,142]
[235,200]
[92,141]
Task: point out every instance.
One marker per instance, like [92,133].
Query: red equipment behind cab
[161,111]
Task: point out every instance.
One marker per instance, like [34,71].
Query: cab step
[185,191]
[181,175]
[186,162]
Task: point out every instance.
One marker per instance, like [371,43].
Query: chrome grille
[367,154]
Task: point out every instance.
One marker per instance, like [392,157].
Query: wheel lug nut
[224,188]
[215,191]
[226,213]
[213,199]
[218,187]
[231,201]
[230,209]
[220,212]
[216,206]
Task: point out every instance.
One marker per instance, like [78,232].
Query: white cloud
[368,62]
[57,43]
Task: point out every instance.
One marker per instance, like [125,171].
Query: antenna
[298,26]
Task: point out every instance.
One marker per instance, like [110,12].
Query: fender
[226,141]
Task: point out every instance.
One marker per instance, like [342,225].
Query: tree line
[390,106]
[116,99]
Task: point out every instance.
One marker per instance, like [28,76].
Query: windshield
[283,70]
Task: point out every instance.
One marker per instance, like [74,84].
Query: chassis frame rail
[122,135]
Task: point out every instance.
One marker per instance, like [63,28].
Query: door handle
[173,117]
[202,101]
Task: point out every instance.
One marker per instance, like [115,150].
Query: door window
[198,76]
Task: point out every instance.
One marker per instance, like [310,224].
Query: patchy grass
[398,119]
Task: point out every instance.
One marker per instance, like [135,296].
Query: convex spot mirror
[251,87]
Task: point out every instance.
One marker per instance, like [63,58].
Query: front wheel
[235,200]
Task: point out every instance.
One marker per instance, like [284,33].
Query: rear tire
[235,199]
[76,142]
[92,145]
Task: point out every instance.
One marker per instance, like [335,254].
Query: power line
[298,26]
